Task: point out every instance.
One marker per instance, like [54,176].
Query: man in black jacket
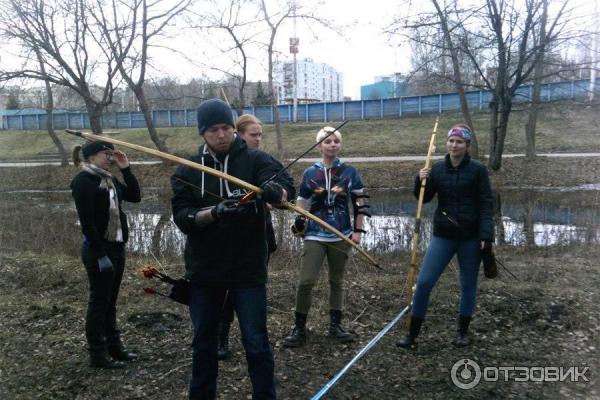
[226,248]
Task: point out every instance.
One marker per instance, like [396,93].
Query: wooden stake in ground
[230,178]
[413,268]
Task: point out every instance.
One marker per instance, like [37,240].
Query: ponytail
[76,155]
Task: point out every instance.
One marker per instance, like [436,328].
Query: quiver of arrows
[180,288]
[490,269]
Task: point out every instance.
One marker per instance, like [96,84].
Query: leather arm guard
[360,209]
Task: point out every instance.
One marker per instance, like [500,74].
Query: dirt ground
[548,317]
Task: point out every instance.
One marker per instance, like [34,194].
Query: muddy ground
[548,317]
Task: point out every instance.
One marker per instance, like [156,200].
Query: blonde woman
[326,190]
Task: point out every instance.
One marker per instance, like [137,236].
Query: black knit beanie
[212,112]
[91,148]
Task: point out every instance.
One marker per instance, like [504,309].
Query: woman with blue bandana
[463,224]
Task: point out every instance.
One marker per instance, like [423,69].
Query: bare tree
[274,22]
[274,18]
[70,50]
[538,75]
[438,62]
[238,19]
[64,158]
[129,39]
[510,34]
[458,78]
[497,41]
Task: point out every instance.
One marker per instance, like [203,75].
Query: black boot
[413,331]
[298,335]
[223,351]
[102,360]
[462,336]
[335,329]
[119,353]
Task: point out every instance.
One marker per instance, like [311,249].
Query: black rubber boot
[335,329]
[298,335]
[223,351]
[462,336]
[413,331]
[118,352]
[102,360]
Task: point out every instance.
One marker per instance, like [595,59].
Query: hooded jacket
[219,254]
[329,190]
[465,204]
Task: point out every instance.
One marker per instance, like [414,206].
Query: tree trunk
[498,133]
[145,108]
[530,127]
[538,71]
[498,220]
[64,158]
[275,108]
[493,130]
[94,111]
[458,81]
[529,225]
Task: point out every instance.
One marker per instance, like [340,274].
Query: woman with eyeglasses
[98,196]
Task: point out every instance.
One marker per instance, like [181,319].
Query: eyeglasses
[109,155]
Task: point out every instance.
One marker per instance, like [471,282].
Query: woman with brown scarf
[98,195]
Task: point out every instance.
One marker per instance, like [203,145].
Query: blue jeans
[250,305]
[438,255]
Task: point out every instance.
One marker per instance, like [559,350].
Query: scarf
[113,233]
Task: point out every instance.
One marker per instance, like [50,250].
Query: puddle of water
[48,222]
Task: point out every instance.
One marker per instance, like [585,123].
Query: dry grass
[561,128]
[548,317]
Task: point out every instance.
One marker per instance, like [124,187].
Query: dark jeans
[438,255]
[101,320]
[250,305]
[227,310]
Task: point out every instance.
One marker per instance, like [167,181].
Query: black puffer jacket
[225,255]
[465,203]
[93,203]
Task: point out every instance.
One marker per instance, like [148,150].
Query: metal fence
[315,112]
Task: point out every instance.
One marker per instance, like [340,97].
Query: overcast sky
[363,52]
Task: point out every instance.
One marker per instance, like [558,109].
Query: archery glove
[229,211]
[104,264]
[299,226]
[272,192]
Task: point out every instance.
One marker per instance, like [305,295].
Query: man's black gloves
[231,211]
[299,226]
[272,192]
